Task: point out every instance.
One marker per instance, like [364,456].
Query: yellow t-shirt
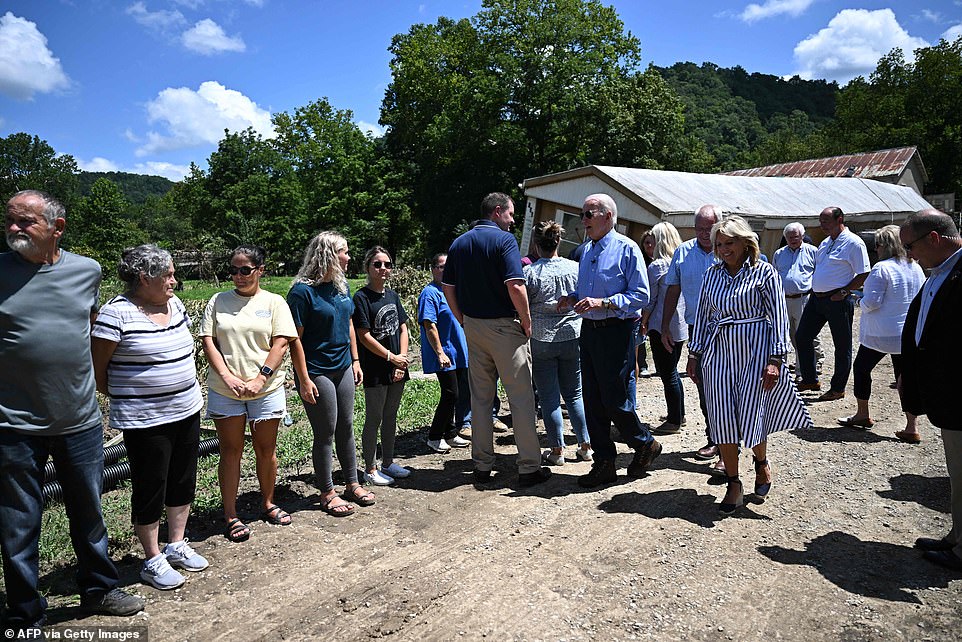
[243,328]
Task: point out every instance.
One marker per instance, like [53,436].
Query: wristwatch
[266,370]
[606,304]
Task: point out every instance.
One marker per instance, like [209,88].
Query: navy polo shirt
[479,264]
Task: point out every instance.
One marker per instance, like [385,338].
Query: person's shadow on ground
[680,503]
[931,492]
[872,569]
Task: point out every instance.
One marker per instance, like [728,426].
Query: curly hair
[320,261]
[147,260]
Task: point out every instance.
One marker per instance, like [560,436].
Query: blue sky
[150,85]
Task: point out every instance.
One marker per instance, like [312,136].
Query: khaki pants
[952,441]
[795,307]
[499,348]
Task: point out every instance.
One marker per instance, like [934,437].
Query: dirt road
[827,557]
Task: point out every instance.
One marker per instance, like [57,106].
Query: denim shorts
[270,406]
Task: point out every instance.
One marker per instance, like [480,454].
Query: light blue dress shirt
[796,267]
[613,268]
[688,265]
[936,278]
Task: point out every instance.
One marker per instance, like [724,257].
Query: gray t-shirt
[46,378]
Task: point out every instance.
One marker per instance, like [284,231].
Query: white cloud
[370,128]
[206,37]
[194,118]
[852,44]
[190,4]
[155,20]
[772,8]
[27,66]
[931,16]
[159,168]
[952,32]
[97,164]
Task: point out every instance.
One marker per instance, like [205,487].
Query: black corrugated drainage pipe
[114,471]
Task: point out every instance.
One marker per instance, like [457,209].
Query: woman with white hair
[326,366]
[740,336]
[667,241]
[889,289]
[143,359]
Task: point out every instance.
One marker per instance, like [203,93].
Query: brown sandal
[365,498]
[339,510]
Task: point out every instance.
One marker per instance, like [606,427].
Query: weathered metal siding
[876,165]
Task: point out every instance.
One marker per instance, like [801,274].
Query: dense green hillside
[135,187]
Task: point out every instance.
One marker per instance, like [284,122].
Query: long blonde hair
[667,240]
[321,263]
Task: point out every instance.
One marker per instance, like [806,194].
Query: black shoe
[602,472]
[932,544]
[482,476]
[945,559]
[727,508]
[114,602]
[643,458]
[538,476]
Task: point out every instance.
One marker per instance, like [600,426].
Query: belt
[822,295]
[797,296]
[604,323]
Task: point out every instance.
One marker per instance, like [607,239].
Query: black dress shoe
[538,476]
[643,458]
[945,559]
[602,472]
[482,476]
[932,544]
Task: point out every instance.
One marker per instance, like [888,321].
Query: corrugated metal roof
[880,164]
[682,192]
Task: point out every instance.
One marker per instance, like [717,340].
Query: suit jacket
[932,370]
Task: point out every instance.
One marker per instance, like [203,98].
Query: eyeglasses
[382,264]
[587,214]
[246,270]
[908,246]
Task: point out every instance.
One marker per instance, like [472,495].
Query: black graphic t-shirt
[382,314]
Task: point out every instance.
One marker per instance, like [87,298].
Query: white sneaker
[397,471]
[438,445]
[378,478]
[644,372]
[458,442]
[158,573]
[181,555]
[585,455]
[551,459]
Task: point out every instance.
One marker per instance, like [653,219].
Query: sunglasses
[246,270]
[382,264]
[587,214]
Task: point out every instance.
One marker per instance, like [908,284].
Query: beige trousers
[499,348]
[952,441]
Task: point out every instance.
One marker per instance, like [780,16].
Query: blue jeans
[607,373]
[79,458]
[838,315]
[666,365]
[556,368]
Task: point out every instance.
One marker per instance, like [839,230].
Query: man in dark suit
[931,352]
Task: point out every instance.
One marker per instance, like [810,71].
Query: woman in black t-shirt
[380,326]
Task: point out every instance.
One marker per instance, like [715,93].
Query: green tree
[99,225]
[526,87]
[27,162]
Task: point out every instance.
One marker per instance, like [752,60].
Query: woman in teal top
[326,366]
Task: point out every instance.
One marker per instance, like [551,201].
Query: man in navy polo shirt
[612,290]
[484,286]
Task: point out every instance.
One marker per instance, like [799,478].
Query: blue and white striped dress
[741,322]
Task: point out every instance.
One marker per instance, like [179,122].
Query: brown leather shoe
[643,458]
[831,395]
[708,451]
[805,387]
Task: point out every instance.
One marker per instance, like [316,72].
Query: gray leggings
[381,404]
[332,419]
